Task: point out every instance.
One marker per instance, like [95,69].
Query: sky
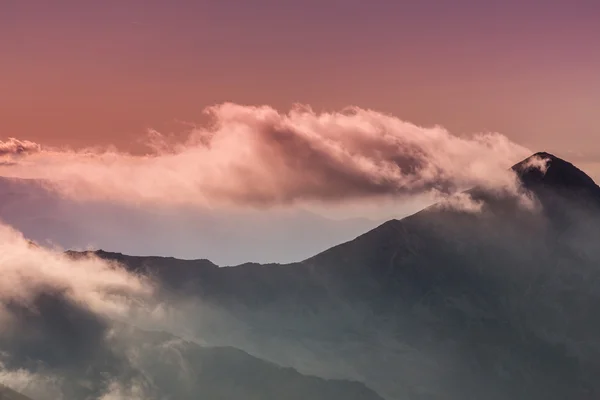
[83,73]
[312,105]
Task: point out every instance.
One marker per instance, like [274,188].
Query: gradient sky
[82,73]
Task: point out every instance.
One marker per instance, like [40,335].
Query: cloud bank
[55,316]
[258,156]
[29,272]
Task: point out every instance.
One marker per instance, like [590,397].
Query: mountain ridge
[506,289]
[557,174]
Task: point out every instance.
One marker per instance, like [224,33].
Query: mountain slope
[444,304]
[9,394]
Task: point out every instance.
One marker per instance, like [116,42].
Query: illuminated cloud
[14,146]
[258,156]
[119,391]
[56,310]
[28,272]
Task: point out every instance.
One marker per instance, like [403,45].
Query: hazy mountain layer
[63,351]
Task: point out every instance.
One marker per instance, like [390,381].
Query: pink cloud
[27,270]
[14,146]
[259,156]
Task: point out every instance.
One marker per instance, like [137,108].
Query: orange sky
[102,73]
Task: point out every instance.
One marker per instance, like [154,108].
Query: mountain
[444,304]
[557,173]
[187,370]
[9,394]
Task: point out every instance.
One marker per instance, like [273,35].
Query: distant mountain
[226,237]
[444,304]
[184,370]
[81,356]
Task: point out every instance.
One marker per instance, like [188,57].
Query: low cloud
[461,202]
[55,314]
[29,271]
[258,156]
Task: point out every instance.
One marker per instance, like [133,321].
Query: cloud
[538,162]
[55,314]
[29,271]
[56,308]
[258,156]
[118,391]
[18,147]
[460,202]
[38,386]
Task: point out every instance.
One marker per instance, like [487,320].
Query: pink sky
[96,73]
[102,73]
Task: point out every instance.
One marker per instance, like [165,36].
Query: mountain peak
[544,154]
[546,169]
